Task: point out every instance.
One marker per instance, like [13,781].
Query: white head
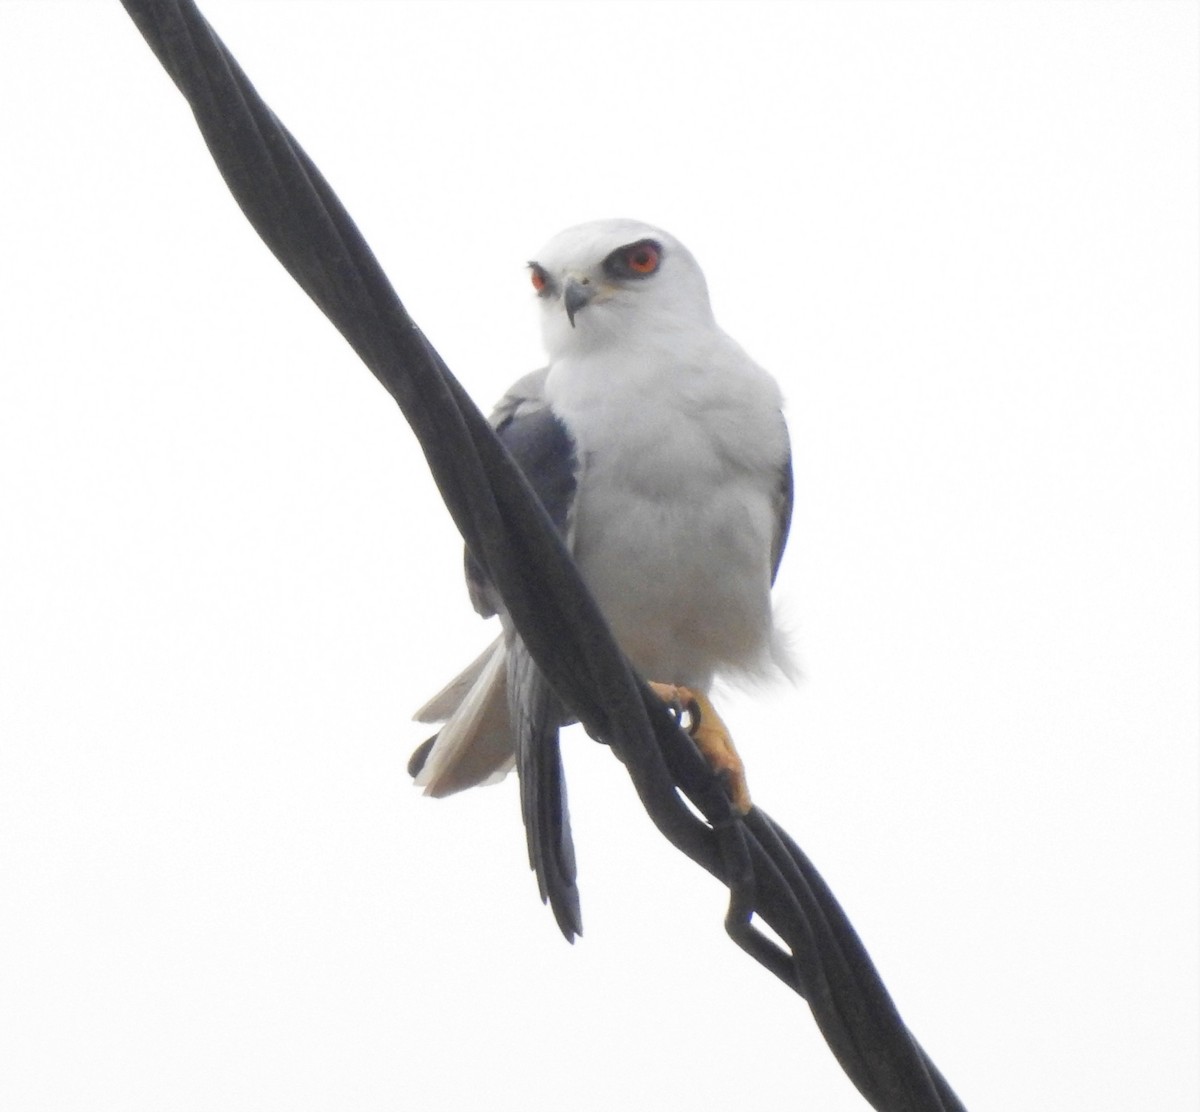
[617,282]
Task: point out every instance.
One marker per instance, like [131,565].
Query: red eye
[643,259]
[538,277]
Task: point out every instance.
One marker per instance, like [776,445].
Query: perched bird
[659,450]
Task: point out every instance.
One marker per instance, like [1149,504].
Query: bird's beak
[575,296]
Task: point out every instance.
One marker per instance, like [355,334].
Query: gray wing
[544,450]
[784,495]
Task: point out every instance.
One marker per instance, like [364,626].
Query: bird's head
[617,282]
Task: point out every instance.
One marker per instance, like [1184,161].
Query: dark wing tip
[536,715]
[420,755]
[568,915]
[785,494]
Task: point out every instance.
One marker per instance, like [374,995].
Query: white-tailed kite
[659,449]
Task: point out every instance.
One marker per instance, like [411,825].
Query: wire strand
[298,216]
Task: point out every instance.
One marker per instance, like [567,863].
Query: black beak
[575,297]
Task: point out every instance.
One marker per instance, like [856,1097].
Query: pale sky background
[965,238]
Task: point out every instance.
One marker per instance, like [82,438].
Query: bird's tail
[475,746]
[537,714]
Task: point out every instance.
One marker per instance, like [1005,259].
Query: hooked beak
[575,296]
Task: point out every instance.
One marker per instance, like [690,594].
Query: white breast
[676,508]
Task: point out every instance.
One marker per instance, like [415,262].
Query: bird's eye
[634,260]
[538,277]
[643,259]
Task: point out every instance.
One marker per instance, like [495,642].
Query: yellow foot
[712,739]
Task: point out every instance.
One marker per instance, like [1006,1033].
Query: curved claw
[670,694]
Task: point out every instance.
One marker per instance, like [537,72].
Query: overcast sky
[964,236]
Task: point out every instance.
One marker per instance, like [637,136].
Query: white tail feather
[475,746]
[451,697]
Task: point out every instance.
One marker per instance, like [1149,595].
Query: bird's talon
[670,694]
[712,738]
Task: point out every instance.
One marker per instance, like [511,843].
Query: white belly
[684,584]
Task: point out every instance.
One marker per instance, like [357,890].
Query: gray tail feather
[536,715]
